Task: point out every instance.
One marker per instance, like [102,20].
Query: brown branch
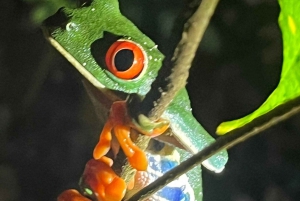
[259,125]
[158,99]
[162,93]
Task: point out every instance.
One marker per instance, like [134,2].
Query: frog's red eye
[125,59]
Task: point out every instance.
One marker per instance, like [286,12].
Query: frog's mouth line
[72,60]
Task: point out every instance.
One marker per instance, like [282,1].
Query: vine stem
[225,142]
[160,96]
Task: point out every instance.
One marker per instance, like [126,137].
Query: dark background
[47,123]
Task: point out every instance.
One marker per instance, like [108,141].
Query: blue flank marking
[167,165]
[169,193]
[174,194]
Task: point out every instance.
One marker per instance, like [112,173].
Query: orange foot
[120,122]
[100,182]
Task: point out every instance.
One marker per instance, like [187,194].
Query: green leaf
[289,84]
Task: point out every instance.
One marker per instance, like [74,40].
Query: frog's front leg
[120,123]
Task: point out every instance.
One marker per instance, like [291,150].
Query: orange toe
[103,145]
[138,160]
[116,190]
[160,130]
[136,157]
[107,161]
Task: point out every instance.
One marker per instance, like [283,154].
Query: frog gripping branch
[117,58]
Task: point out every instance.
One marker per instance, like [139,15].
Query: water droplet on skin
[93,9]
[84,64]
[71,26]
[68,26]
[150,57]
[154,47]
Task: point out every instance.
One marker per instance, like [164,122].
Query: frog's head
[107,48]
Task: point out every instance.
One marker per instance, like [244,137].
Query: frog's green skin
[188,130]
[80,28]
[87,24]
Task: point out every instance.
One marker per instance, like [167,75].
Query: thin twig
[162,93]
[221,143]
[158,99]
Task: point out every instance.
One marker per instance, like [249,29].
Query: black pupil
[124,59]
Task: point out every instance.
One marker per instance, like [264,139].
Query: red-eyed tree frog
[118,59]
